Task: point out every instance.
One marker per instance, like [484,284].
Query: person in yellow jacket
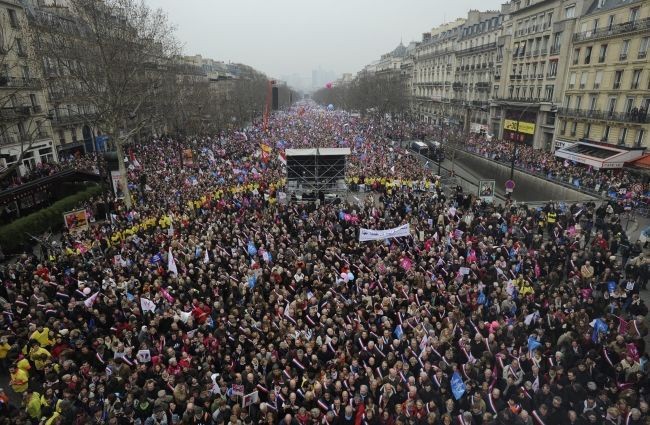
[523,286]
[33,404]
[4,350]
[39,356]
[19,379]
[42,335]
[52,420]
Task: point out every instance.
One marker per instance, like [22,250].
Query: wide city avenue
[453,232]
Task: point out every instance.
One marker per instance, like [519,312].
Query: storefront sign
[524,127]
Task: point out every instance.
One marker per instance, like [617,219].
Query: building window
[634,14]
[606,133]
[611,107]
[572,80]
[563,127]
[636,77]
[592,103]
[610,21]
[587,130]
[638,141]
[13,19]
[603,53]
[598,80]
[601,3]
[578,102]
[20,48]
[574,128]
[625,47]
[576,56]
[618,76]
[557,41]
[643,47]
[46,155]
[622,136]
[567,101]
[552,68]
[629,104]
[583,80]
[548,93]
[588,55]
[570,12]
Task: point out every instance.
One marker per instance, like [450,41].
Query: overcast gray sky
[282,37]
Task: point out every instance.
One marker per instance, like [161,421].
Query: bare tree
[378,93]
[113,54]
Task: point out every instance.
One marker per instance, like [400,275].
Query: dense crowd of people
[620,184]
[76,161]
[215,301]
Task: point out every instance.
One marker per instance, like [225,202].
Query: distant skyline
[285,37]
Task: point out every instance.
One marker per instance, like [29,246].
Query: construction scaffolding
[317,172]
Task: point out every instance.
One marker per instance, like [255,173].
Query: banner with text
[376,235]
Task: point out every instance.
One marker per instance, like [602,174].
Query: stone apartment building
[475,51]
[607,93]
[533,60]
[72,121]
[24,125]
[434,72]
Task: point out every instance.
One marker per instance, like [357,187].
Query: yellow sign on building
[524,127]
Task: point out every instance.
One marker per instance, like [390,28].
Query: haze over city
[295,37]
[290,212]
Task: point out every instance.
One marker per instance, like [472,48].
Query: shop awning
[599,155]
[643,162]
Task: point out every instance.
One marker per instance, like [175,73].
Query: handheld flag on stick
[457,386]
[91,300]
[171,263]
[599,326]
[147,305]
[533,344]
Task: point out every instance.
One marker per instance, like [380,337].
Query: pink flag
[406,263]
[632,351]
[91,300]
[622,326]
[167,295]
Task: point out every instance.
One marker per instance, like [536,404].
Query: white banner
[376,235]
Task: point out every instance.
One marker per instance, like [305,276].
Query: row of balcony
[483,65]
[531,53]
[597,114]
[475,49]
[13,139]
[522,99]
[19,82]
[63,120]
[474,103]
[434,84]
[434,54]
[613,30]
[514,77]
[533,29]
[480,86]
[19,112]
